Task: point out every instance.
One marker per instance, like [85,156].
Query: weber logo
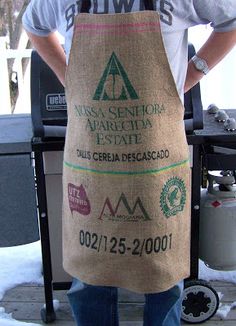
[56,102]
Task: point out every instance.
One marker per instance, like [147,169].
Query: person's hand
[213,51]
[193,77]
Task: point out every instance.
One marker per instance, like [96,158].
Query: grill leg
[195,210]
[47,314]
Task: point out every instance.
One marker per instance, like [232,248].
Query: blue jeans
[98,305]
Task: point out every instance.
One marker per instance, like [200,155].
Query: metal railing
[5,78]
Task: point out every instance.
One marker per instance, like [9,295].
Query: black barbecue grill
[48,102]
[49,119]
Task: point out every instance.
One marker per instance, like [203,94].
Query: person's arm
[213,51]
[52,53]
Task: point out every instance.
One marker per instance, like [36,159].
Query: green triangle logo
[112,72]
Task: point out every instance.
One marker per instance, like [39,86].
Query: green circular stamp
[173,197]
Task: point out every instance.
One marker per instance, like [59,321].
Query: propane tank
[217,233]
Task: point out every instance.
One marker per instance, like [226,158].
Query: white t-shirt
[43,17]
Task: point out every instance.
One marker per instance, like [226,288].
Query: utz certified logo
[173,197]
[78,200]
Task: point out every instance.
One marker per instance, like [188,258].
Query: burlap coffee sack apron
[126,178]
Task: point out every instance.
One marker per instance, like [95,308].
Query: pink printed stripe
[117,32]
[97,26]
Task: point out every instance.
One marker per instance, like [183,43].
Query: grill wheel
[200,302]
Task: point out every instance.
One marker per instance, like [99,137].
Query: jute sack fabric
[126,178]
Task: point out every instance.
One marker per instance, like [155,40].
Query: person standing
[125,76]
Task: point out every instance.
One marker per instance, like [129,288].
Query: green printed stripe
[153,171]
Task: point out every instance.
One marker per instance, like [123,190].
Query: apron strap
[86,5]
[148,4]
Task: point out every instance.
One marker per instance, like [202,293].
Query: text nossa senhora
[114,112]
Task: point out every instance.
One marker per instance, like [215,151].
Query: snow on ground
[209,274]
[18,265]
[7,320]
[223,311]
[23,264]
